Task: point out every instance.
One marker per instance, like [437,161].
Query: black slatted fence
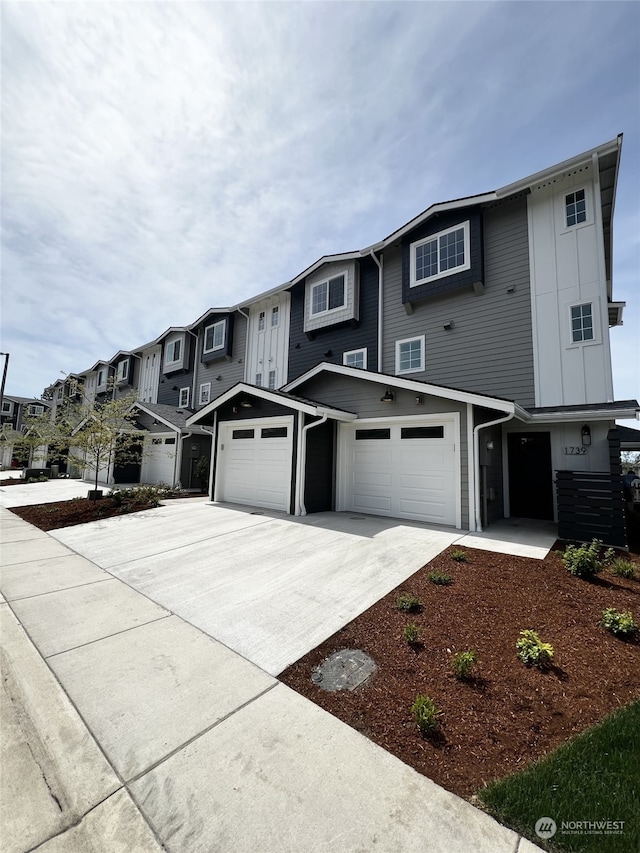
[591,506]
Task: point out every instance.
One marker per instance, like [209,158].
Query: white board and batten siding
[405,468]
[268,342]
[254,462]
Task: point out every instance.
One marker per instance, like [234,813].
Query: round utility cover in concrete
[344,670]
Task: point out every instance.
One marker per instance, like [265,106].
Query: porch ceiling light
[246,404]
[585,434]
[388,396]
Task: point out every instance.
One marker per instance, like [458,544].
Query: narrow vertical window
[581,323]
[272,379]
[576,208]
[275,316]
[261,321]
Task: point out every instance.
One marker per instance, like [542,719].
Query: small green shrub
[617,622]
[426,714]
[624,569]
[463,663]
[584,561]
[139,495]
[459,555]
[440,578]
[532,651]
[407,602]
[411,633]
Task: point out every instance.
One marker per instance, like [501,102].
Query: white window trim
[272,374]
[262,316]
[587,208]
[184,392]
[214,348]
[206,387]
[123,370]
[327,311]
[445,273]
[275,313]
[99,384]
[9,409]
[363,350]
[33,407]
[170,343]
[594,320]
[412,369]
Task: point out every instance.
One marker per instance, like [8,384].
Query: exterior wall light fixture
[387,397]
[585,434]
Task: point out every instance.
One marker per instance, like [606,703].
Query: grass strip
[593,778]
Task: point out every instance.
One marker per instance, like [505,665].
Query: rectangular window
[184,398]
[261,316]
[7,407]
[422,432]
[273,432]
[410,355]
[581,323]
[214,336]
[205,393]
[242,433]
[328,295]
[355,358]
[440,254]
[576,208]
[259,380]
[123,370]
[272,379]
[275,316]
[372,434]
[173,351]
[101,382]
[169,441]
[36,410]
[156,441]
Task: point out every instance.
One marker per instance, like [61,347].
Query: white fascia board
[408,385]
[441,207]
[584,415]
[206,314]
[254,391]
[326,259]
[559,168]
[141,407]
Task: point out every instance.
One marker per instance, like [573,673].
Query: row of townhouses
[443,374]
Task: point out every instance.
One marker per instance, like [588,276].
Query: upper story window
[355,358]
[214,336]
[34,409]
[581,322]
[174,353]
[205,393]
[102,380]
[183,402]
[328,295]
[410,355]
[275,316]
[59,393]
[575,205]
[440,254]
[259,380]
[123,370]
[272,379]
[261,317]
[7,407]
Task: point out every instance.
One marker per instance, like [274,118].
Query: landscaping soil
[509,715]
[58,514]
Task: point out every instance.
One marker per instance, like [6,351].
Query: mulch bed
[509,715]
[51,516]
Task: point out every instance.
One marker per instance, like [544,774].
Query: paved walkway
[124,728]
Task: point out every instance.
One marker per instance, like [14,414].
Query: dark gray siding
[170,384]
[305,354]
[230,367]
[489,350]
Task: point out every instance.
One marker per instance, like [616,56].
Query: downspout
[476,463]
[379,265]
[193,381]
[302,458]
[177,465]
[246,345]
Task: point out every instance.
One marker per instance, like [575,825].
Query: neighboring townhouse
[488,367]
[12,423]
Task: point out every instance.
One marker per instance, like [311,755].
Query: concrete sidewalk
[124,728]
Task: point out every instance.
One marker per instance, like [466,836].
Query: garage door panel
[422,482]
[371,478]
[371,503]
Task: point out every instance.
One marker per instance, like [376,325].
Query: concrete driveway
[269,586]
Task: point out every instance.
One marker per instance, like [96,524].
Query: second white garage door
[254,463]
[159,459]
[406,469]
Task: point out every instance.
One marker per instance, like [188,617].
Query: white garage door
[159,459]
[254,463]
[405,469]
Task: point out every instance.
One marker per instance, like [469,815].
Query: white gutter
[379,265]
[246,344]
[476,464]
[302,458]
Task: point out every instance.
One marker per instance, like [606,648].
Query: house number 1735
[575,451]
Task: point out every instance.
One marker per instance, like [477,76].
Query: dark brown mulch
[12,481]
[509,715]
[76,511]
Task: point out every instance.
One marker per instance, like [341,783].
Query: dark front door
[126,466]
[530,475]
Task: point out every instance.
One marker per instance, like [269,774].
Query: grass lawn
[595,777]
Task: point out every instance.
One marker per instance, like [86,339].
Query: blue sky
[160,159]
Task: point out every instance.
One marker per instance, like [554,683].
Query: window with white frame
[575,205]
[581,322]
[261,317]
[102,380]
[59,393]
[183,402]
[410,355]
[34,409]
[214,336]
[355,358]
[259,379]
[328,295]
[440,254]
[205,393]
[272,379]
[173,351]
[275,316]
[7,407]
[123,370]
